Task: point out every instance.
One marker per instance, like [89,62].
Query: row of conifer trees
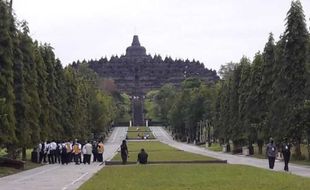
[41,100]
[254,100]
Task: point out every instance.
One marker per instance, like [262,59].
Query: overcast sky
[212,31]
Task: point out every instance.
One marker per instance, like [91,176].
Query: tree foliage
[39,99]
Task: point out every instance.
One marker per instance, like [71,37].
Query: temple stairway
[138,119]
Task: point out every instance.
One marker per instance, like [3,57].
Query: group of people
[142,156]
[53,152]
[271,152]
[66,152]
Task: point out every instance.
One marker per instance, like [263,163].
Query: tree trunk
[308,148]
[24,154]
[228,149]
[260,146]
[297,150]
[12,151]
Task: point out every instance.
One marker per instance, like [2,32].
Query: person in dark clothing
[64,159]
[142,157]
[42,152]
[286,151]
[95,151]
[124,152]
[271,152]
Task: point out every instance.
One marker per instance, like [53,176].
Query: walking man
[286,151]
[271,152]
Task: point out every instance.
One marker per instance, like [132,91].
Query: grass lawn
[215,147]
[139,129]
[158,151]
[4,171]
[135,135]
[198,177]
[301,162]
[139,132]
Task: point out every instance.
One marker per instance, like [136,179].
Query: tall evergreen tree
[60,97]
[267,80]
[276,118]
[21,98]
[244,89]
[29,133]
[297,36]
[50,61]
[254,100]
[233,106]
[7,120]
[42,91]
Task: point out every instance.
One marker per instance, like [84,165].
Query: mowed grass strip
[139,132]
[158,151]
[139,129]
[139,135]
[194,177]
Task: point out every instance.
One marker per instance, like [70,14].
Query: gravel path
[62,177]
[164,137]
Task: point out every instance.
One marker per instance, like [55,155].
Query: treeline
[255,100]
[41,100]
[181,109]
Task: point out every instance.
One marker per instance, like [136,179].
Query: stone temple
[136,73]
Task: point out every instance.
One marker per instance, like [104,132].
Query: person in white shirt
[87,151]
[53,147]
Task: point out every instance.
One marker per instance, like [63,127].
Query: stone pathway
[62,177]
[164,137]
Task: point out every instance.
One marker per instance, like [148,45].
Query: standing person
[286,151]
[53,147]
[77,152]
[124,152]
[142,157]
[42,149]
[271,152]
[69,152]
[88,151]
[63,154]
[49,152]
[58,153]
[100,150]
[95,151]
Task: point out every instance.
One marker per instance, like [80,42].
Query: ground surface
[57,177]
[164,137]
[193,177]
[158,151]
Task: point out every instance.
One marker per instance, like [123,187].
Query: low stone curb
[108,163]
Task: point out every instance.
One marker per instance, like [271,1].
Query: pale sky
[212,31]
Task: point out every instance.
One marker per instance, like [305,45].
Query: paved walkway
[62,177]
[69,177]
[164,137]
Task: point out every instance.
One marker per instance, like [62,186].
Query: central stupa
[135,49]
